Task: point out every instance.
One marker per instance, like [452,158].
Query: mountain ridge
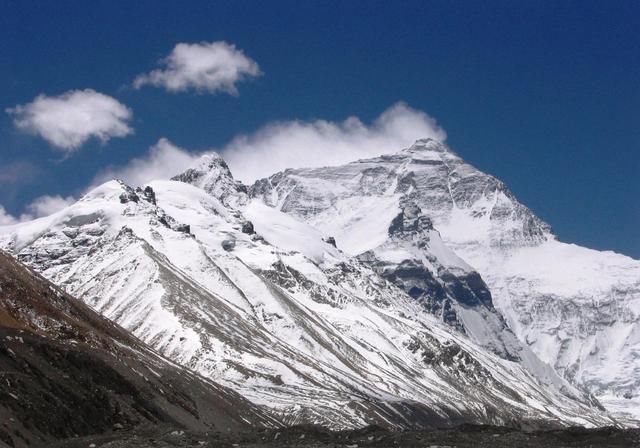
[67,371]
[272,307]
[481,221]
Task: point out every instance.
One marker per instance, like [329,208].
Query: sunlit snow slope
[578,309]
[263,302]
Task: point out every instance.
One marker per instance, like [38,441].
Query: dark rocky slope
[65,371]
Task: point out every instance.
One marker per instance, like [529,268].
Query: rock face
[382,212]
[405,214]
[212,174]
[68,371]
[291,320]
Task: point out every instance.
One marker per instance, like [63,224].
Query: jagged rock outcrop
[212,174]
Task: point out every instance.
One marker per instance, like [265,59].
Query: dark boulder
[330,240]
[247,227]
[229,245]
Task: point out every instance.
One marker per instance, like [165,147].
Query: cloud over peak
[163,161]
[67,121]
[290,144]
[47,205]
[203,67]
[296,144]
[41,206]
[5,218]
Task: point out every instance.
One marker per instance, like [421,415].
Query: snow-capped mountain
[577,309]
[67,371]
[264,302]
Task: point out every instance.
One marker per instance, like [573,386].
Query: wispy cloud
[67,121]
[5,218]
[203,67]
[162,161]
[290,144]
[47,205]
[41,206]
[294,144]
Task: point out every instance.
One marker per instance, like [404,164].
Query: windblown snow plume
[289,144]
[295,144]
[162,161]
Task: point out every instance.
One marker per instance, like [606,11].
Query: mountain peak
[426,141]
[212,174]
[207,166]
[210,160]
[428,144]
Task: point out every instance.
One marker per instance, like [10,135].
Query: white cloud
[41,206]
[163,161]
[69,120]
[295,144]
[47,205]
[204,67]
[290,144]
[5,218]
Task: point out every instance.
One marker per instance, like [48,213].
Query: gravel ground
[310,437]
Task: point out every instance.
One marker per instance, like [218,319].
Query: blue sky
[544,95]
